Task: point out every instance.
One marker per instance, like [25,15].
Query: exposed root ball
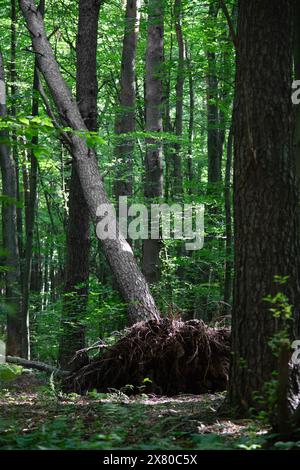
[177,356]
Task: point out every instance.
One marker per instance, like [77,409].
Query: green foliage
[190,283]
[281,307]
[288,445]
[210,442]
[9,372]
[59,434]
[105,422]
[280,303]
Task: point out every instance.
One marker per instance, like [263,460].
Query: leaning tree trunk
[125,115]
[154,99]
[265,196]
[16,327]
[78,231]
[118,252]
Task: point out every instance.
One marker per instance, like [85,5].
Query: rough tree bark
[177,189]
[191,119]
[213,147]
[118,252]
[125,115]
[15,321]
[31,208]
[167,123]
[154,101]
[13,112]
[78,230]
[297,77]
[265,196]
[228,221]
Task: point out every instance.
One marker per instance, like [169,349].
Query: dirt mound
[177,357]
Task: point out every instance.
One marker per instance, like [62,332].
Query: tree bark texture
[154,103]
[265,196]
[16,327]
[125,116]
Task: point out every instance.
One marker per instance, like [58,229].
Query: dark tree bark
[125,116]
[13,112]
[265,196]
[118,252]
[191,120]
[78,231]
[30,209]
[167,123]
[297,77]
[154,102]
[177,190]
[228,222]
[213,145]
[16,327]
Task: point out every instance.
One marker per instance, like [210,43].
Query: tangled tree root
[177,357]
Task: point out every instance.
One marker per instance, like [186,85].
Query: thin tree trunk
[118,252]
[213,147]
[37,366]
[15,324]
[228,222]
[154,102]
[177,190]
[30,218]
[191,120]
[13,112]
[265,195]
[125,116]
[167,124]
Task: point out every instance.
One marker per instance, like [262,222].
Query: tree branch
[230,24]
[36,365]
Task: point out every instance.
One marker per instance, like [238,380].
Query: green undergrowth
[40,418]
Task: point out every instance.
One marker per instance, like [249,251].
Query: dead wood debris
[176,357]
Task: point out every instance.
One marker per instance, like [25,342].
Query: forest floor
[33,415]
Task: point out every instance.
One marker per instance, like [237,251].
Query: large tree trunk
[265,196]
[125,115]
[154,101]
[78,231]
[118,252]
[16,327]
[297,77]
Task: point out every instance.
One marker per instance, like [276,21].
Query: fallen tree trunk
[130,280]
[36,365]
